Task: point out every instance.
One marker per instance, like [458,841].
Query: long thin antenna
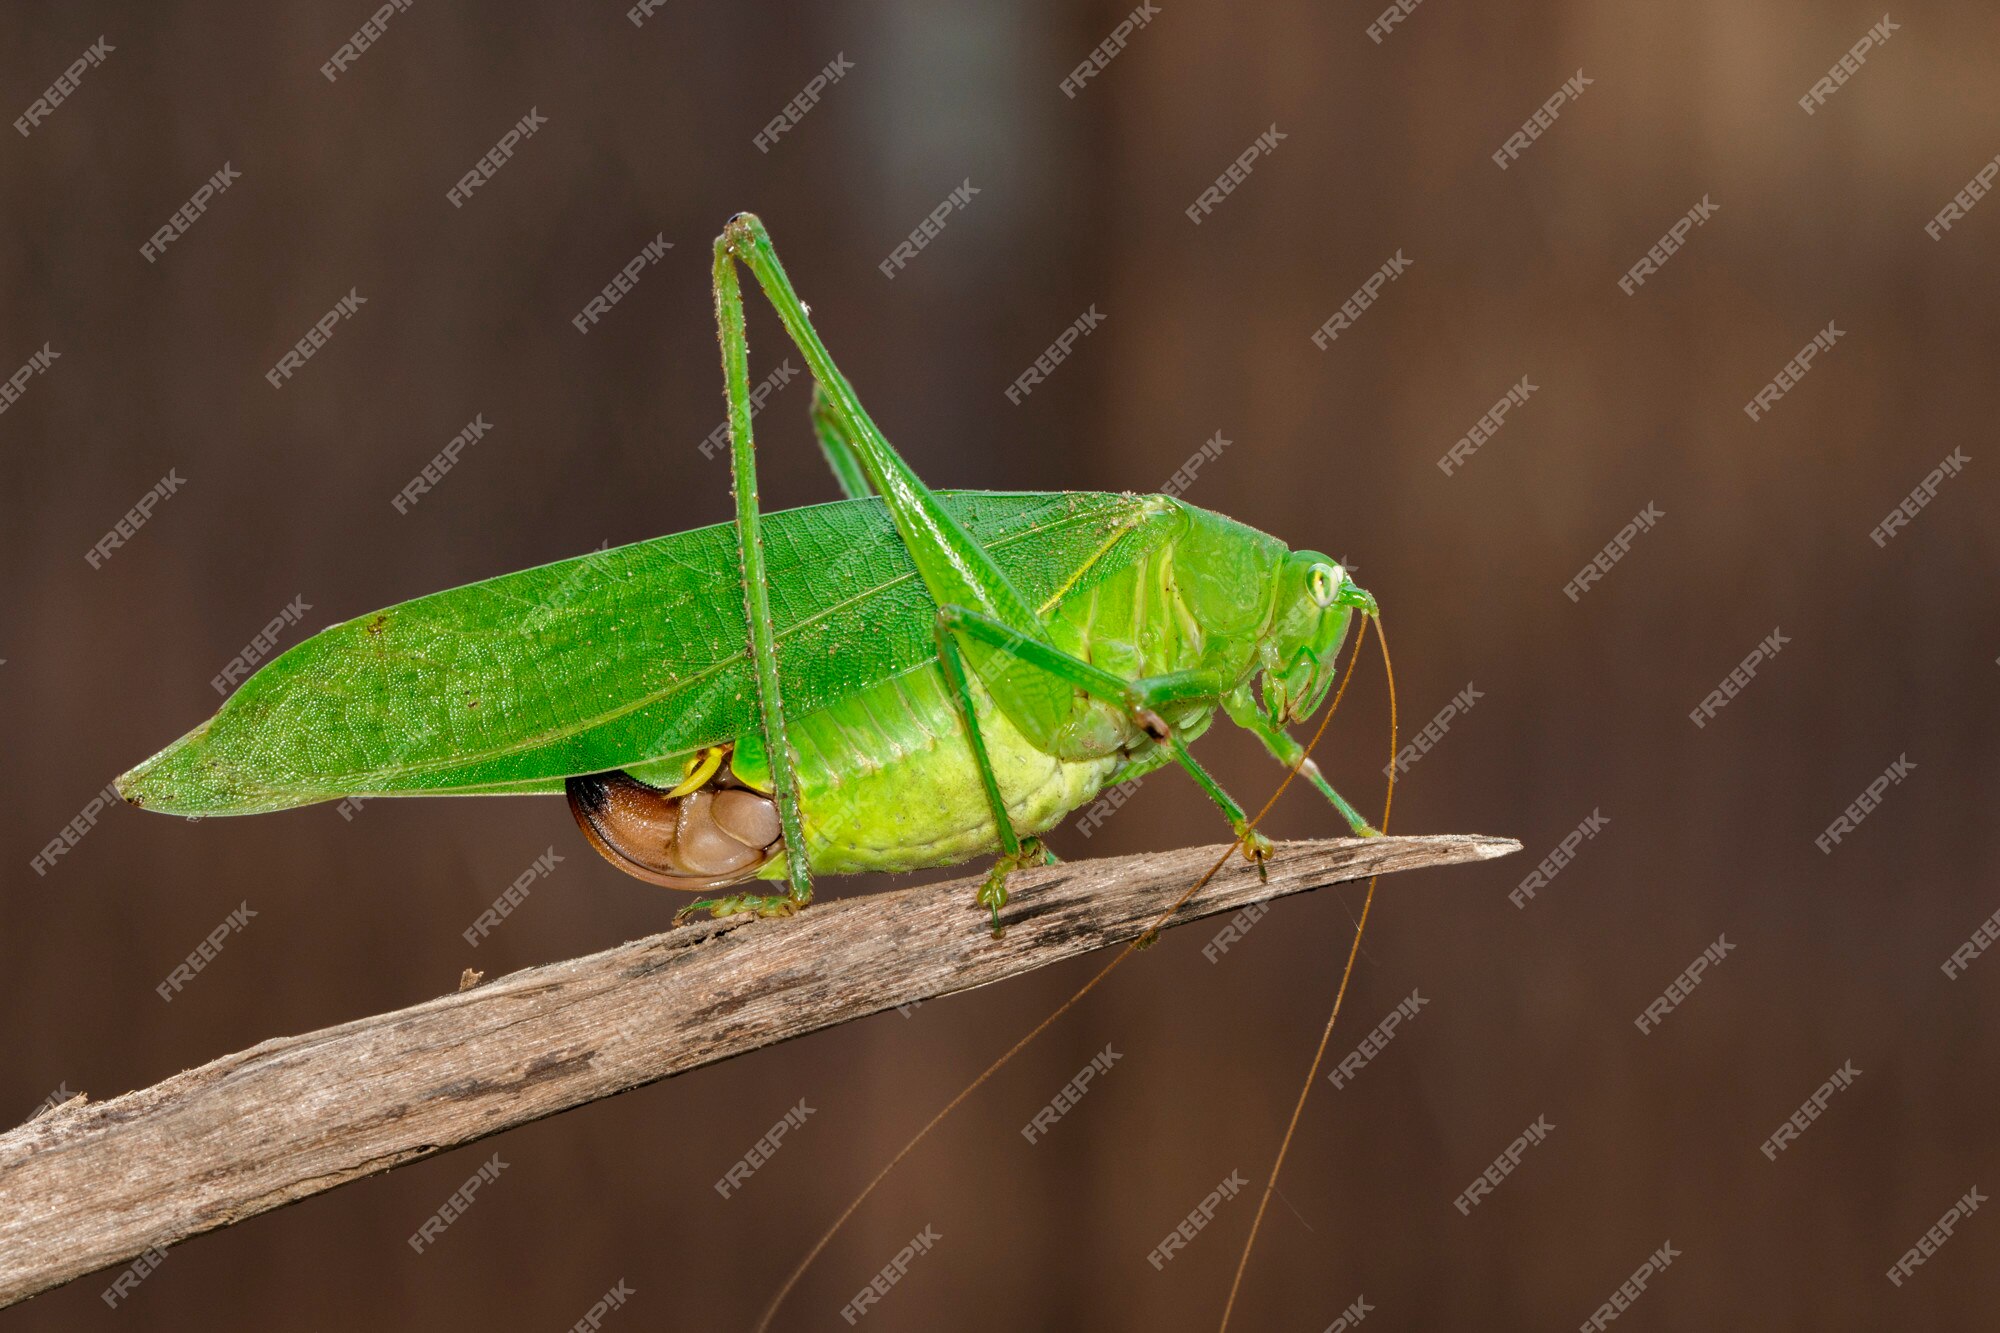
[771,1310]
[1326,1034]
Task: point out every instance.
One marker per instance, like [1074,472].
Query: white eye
[1324,583]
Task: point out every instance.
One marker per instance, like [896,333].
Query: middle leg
[1015,851]
[1140,697]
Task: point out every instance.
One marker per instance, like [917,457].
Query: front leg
[1287,751]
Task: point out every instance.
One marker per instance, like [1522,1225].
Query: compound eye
[1324,583]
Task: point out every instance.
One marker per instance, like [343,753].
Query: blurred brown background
[1583,706]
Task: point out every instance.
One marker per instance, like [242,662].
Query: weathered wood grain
[90,1185]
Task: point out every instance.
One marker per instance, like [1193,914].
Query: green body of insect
[952,673]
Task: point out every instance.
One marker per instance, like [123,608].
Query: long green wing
[605,661]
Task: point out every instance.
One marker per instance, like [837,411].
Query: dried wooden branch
[89,1185]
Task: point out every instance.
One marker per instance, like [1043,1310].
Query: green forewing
[610,659]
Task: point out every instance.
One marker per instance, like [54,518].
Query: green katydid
[926,677]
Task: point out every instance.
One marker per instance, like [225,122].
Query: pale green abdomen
[887,775]
[888,782]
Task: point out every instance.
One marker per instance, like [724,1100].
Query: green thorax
[887,781]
